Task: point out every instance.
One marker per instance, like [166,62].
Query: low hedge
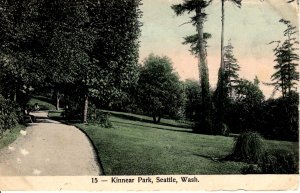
[8,116]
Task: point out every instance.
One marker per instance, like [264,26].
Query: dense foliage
[192,98]
[228,80]
[249,147]
[87,46]
[96,116]
[159,88]
[279,118]
[8,116]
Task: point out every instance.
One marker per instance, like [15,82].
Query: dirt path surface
[48,147]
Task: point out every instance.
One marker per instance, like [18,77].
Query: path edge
[95,149]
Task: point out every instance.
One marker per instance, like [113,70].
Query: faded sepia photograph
[146,88]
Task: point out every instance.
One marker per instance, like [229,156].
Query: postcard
[151,95]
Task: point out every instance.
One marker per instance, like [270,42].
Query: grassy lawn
[147,119]
[11,136]
[55,114]
[42,104]
[134,147]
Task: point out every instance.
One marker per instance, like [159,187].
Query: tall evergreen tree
[286,76]
[224,97]
[198,7]
[221,92]
[231,68]
[238,4]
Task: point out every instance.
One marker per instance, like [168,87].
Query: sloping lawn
[137,148]
[44,105]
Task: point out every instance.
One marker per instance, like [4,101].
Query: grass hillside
[135,147]
[43,103]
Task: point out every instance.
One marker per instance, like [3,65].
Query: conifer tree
[198,7]
[285,78]
[224,92]
[221,92]
[231,68]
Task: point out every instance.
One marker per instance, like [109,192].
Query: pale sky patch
[250,29]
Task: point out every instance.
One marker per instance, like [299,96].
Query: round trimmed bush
[249,148]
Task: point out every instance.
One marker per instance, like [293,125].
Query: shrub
[281,118]
[274,162]
[97,116]
[280,162]
[252,169]
[8,116]
[249,148]
[73,108]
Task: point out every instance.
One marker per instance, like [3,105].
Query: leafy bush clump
[249,148]
[97,116]
[280,162]
[8,116]
[252,169]
[275,162]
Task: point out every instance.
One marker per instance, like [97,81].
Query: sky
[249,28]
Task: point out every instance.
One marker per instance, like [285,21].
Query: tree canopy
[90,47]
[160,91]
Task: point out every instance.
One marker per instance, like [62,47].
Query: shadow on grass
[66,121]
[45,99]
[71,122]
[153,127]
[45,121]
[215,159]
[134,118]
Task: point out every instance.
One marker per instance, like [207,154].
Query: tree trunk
[85,109]
[57,100]
[203,74]
[156,118]
[289,83]
[222,66]
[15,95]
[221,90]
[15,92]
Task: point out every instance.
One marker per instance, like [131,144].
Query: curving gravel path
[49,148]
